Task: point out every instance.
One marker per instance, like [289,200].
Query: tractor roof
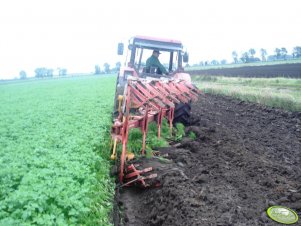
[156,43]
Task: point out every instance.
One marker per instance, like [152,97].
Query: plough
[145,100]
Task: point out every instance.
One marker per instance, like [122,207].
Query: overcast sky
[78,34]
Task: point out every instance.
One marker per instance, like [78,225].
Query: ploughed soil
[246,157]
[282,70]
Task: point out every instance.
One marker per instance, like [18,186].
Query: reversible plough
[145,101]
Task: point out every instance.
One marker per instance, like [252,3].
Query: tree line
[44,72]
[245,57]
[249,56]
[280,54]
[107,68]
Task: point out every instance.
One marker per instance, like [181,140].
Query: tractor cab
[140,48]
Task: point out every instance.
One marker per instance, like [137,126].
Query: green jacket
[154,62]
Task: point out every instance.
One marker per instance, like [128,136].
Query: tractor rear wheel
[182,113]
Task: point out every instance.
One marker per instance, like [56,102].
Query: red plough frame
[146,101]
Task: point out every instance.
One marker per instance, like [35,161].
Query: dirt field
[246,158]
[282,70]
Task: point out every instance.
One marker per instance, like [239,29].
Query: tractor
[144,95]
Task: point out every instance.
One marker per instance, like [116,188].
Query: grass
[282,93]
[53,157]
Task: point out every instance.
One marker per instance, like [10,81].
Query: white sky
[78,34]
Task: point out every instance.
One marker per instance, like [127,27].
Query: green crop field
[53,157]
[275,92]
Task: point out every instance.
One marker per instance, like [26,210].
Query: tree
[62,71]
[118,65]
[245,57]
[106,68]
[97,70]
[23,75]
[49,72]
[41,72]
[263,54]
[278,53]
[252,52]
[283,53]
[234,55]
[214,62]
[297,52]
[223,61]
[116,68]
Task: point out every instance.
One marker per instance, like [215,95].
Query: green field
[53,158]
[275,92]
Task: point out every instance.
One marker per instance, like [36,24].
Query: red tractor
[143,95]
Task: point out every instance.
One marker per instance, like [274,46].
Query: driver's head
[156,53]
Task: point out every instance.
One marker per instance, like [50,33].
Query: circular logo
[282,214]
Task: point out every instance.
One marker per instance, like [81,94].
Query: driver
[153,61]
